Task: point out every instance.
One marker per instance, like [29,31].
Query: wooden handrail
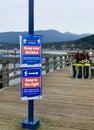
[50,63]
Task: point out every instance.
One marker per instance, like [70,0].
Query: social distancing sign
[31,67]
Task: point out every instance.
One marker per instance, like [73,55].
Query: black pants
[74,71]
[86,72]
[80,72]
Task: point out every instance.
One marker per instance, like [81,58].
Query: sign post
[31,69]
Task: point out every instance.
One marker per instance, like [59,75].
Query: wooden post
[61,65]
[5,74]
[65,59]
[55,65]
[1,85]
[47,64]
[14,67]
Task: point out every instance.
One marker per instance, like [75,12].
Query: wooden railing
[10,69]
[55,62]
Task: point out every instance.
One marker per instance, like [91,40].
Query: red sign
[31,50]
[33,82]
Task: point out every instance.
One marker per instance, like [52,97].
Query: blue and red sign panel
[31,67]
[31,83]
[31,47]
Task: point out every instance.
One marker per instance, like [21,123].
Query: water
[54,52]
[9,52]
[43,52]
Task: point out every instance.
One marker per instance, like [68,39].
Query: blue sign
[31,66]
[31,83]
[31,50]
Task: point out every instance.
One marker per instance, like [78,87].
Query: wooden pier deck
[67,104]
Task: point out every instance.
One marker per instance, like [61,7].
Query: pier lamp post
[30,123]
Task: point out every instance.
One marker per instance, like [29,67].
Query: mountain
[10,37]
[83,43]
[56,36]
[48,36]
[86,42]
[88,39]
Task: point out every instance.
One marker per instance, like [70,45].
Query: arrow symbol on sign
[34,73]
[25,73]
[39,41]
[24,40]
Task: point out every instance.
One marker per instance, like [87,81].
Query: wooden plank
[67,104]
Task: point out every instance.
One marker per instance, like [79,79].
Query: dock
[67,104]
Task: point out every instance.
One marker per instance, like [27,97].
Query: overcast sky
[76,16]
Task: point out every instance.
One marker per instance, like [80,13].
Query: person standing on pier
[90,53]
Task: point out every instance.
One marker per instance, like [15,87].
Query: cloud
[13,15]
[64,15]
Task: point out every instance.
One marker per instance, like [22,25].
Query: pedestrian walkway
[67,104]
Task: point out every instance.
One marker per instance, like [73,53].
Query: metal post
[30,110]
[31,31]
[30,123]
[31,16]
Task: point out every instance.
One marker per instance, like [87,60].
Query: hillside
[51,39]
[83,43]
[10,37]
[48,36]
[56,36]
[88,39]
